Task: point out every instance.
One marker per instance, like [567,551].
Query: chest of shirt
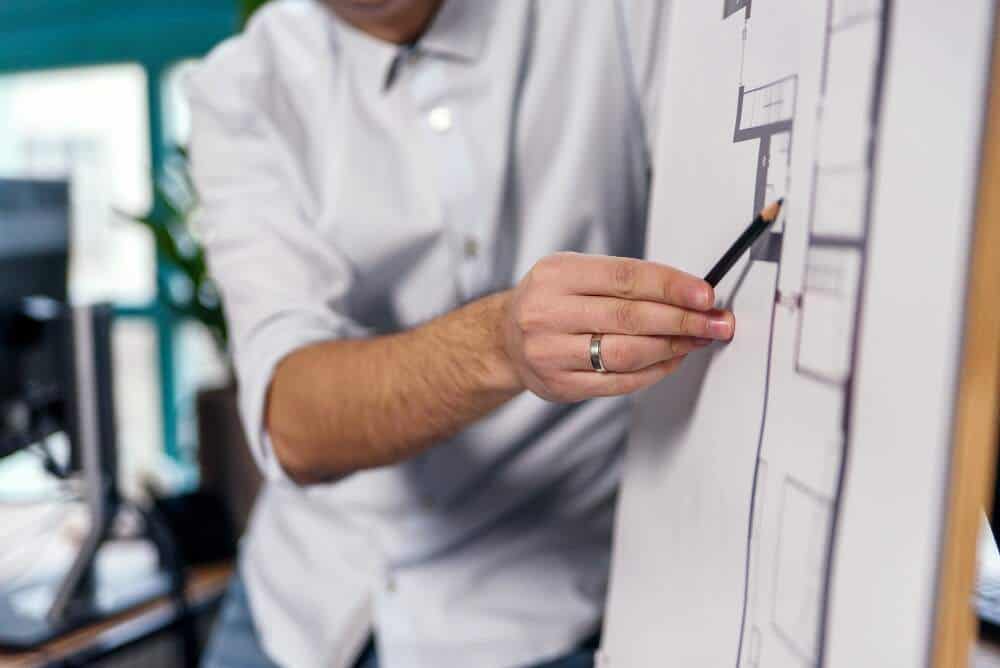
[451,180]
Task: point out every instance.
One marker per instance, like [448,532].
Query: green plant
[186,287]
[248,7]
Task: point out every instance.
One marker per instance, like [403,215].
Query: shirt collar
[458,31]
[373,59]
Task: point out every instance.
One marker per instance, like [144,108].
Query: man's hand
[651,316]
[342,406]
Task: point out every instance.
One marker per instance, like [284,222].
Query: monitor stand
[26,619]
[34,613]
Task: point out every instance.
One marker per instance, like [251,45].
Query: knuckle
[540,274]
[549,264]
[667,288]
[549,268]
[534,353]
[673,346]
[520,316]
[691,324]
[529,316]
[627,317]
[562,258]
[625,278]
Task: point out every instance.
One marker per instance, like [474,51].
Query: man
[388,187]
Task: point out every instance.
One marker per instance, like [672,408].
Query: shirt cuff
[256,362]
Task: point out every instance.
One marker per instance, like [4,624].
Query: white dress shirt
[351,188]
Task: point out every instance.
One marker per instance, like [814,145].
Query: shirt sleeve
[644,25]
[282,283]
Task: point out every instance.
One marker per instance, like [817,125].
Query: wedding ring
[595,354]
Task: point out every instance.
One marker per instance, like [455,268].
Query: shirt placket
[450,161]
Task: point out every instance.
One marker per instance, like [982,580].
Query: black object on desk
[37,337]
[57,376]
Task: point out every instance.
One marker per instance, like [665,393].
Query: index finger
[629,278]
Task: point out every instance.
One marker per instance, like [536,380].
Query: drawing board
[786,495]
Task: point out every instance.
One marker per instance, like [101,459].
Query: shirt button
[471,248]
[440,119]
[390,583]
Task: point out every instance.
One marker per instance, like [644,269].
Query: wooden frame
[974,456]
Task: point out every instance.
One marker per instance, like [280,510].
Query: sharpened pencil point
[757,227]
[770,212]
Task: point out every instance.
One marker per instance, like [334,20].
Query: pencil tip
[770,212]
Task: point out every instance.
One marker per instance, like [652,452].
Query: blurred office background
[91,91]
[91,95]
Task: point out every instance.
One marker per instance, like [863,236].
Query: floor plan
[787,106]
[793,510]
[786,605]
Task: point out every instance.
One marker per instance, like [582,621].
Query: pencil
[744,242]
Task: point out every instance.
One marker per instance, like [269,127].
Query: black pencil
[743,244]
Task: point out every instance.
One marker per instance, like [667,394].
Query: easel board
[810,494]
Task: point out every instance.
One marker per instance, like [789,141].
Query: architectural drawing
[755,527]
[784,606]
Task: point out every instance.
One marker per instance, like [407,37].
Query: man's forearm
[342,406]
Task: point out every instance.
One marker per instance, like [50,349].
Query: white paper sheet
[784,493]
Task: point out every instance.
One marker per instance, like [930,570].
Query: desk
[206,586]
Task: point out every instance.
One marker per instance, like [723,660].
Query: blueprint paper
[784,493]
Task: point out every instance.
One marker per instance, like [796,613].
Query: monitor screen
[34,239]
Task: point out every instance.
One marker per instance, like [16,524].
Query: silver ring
[595,354]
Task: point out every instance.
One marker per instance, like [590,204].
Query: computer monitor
[34,239]
[34,258]
[56,375]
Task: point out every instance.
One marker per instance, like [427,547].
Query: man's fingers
[650,317]
[593,384]
[627,278]
[624,354]
[605,315]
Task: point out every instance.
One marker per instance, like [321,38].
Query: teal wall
[54,33]
[47,34]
